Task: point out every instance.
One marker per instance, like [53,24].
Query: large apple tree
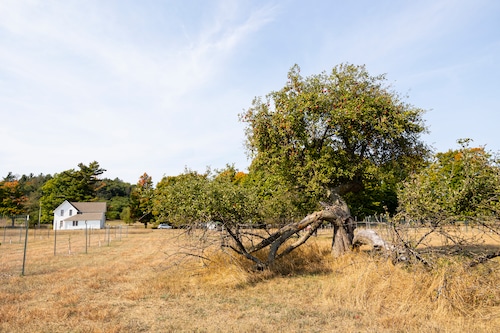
[332,134]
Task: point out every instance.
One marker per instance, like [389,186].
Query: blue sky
[157,86]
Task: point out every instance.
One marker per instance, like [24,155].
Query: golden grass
[138,284]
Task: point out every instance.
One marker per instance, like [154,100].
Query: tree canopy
[141,200]
[455,185]
[193,198]
[12,199]
[334,131]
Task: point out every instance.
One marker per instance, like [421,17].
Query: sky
[156,86]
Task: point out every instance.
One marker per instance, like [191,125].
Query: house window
[62,212]
[70,212]
[75,223]
[60,224]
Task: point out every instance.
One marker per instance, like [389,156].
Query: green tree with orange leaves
[12,198]
[141,200]
[458,184]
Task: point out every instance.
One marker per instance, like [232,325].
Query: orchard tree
[457,185]
[330,134]
[278,205]
[191,198]
[181,200]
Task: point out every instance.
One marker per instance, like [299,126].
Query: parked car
[164,226]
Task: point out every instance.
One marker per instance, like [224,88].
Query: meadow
[145,280]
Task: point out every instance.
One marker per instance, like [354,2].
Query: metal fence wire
[19,245]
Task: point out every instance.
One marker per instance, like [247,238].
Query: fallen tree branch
[483,259]
[371,238]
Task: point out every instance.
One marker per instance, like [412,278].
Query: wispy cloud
[155,86]
[83,78]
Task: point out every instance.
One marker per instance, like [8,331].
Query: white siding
[58,218]
[69,225]
[63,221]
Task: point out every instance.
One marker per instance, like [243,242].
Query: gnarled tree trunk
[343,227]
[336,213]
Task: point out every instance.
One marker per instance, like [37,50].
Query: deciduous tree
[456,185]
[459,188]
[333,132]
[141,200]
[12,199]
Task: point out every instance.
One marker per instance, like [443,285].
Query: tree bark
[337,213]
[342,239]
[343,226]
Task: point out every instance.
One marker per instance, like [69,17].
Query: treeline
[38,196]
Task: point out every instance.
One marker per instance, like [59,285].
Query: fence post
[109,234]
[25,243]
[55,239]
[86,237]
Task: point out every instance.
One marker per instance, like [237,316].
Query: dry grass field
[135,283]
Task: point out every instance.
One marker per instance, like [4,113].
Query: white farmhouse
[80,215]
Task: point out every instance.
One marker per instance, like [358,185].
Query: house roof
[90,207]
[84,217]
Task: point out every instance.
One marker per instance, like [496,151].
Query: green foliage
[125,215]
[141,200]
[12,199]
[117,195]
[181,199]
[111,188]
[31,186]
[278,205]
[376,198]
[191,198]
[457,184]
[115,207]
[81,185]
[333,131]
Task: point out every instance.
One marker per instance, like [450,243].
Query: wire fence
[20,244]
[477,230]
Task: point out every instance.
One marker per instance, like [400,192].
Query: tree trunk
[342,239]
[336,213]
[343,226]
